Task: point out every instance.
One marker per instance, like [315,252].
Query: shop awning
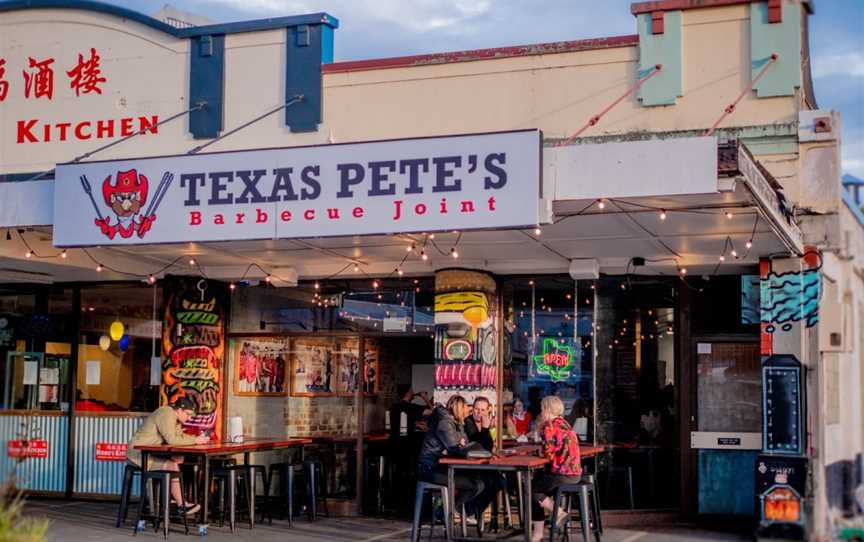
[607,199]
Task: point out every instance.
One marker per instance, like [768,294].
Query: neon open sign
[555,360]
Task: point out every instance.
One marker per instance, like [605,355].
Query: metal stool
[161,481]
[316,487]
[226,481]
[589,508]
[130,471]
[420,493]
[286,474]
[250,474]
[627,473]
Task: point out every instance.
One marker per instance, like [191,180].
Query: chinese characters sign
[109,451]
[44,78]
[21,449]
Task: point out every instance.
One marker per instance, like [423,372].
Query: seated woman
[561,447]
[446,436]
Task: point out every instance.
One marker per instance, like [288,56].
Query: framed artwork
[347,354]
[314,367]
[261,366]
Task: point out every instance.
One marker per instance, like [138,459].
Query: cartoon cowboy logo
[127,198]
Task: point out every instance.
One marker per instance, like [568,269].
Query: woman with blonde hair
[560,445]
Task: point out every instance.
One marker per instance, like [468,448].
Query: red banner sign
[109,451]
[29,448]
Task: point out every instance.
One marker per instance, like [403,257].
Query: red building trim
[482,54]
[674,5]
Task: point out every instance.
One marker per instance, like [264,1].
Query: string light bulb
[64,254]
[431,236]
[749,244]
[399,271]
[683,271]
[662,214]
[356,268]
[232,286]
[454,253]
[601,203]
[317,286]
[722,258]
[537,230]
[374,283]
[734,253]
[729,214]
[192,262]
[423,255]
[99,268]
[29,254]
[267,278]
[411,248]
[151,279]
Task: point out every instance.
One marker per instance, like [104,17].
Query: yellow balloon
[117,330]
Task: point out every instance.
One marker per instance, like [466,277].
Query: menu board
[782,402]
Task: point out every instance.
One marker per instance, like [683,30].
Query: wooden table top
[348,439]
[517,461]
[225,447]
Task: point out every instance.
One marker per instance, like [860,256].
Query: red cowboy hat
[127,182]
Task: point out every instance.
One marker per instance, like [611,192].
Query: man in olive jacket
[164,426]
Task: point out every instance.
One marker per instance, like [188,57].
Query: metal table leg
[251,483]
[205,506]
[451,494]
[526,503]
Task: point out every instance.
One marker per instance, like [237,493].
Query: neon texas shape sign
[555,360]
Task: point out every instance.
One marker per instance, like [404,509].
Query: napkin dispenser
[235,429]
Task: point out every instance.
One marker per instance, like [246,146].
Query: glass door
[729,425]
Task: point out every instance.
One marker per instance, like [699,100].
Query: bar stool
[627,473]
[250,474]
[286,473]
[226,481]
[161,481]
[422,489]
[130,471]
[589,507]
[316,487]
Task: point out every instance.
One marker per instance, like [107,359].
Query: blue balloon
[124,342]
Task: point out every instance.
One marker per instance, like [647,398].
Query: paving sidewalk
[83,521]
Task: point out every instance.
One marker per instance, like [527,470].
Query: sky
[384,28]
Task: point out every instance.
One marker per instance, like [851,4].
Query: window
[116,373]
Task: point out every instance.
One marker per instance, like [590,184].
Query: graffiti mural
[790,297]
[466,338]
[193,338]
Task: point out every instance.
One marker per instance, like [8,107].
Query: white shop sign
[411,185]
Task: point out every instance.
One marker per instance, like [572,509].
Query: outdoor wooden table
[522,460]
[522,465]
[217,449]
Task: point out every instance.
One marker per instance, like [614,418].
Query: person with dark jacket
[446,436]
[478,424]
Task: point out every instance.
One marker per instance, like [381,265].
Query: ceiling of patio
[693,236]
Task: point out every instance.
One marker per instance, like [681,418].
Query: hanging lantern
[105,342]
[117,330]
[124,342]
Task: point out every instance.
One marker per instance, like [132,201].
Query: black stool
[161,481]
[130,471]
[316,487]
[250,474]
[589,508]
[226,481]
[422,489]
[286,474]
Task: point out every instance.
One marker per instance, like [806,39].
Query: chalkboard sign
[782,405]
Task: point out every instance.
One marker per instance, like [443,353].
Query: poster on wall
[348,362]
[261,366]
[313,367]
[193,340]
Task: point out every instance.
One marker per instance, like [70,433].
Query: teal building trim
[783,38]
[666,49]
